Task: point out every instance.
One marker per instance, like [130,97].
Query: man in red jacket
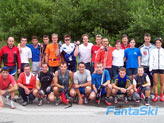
[11,57]
[104,55]
[27,84]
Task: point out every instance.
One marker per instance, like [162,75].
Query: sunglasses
[67,39]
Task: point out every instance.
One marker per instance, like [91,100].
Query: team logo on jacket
[145,52]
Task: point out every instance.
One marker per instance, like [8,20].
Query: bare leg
[92,96]
[79,95]
[155,78]
[161,82]
[147,93]
[88,90]
[108,90]
[51,97]
[56,91]
[72,92]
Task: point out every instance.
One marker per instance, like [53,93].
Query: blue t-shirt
[35,52]
[131,55]
[96,78]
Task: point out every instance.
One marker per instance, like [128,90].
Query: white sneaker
[151,96]
[12,104]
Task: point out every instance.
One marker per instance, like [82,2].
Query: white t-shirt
[25,54]
[118,57]
[85,53]
[68,49]
[28,78]
[82,78]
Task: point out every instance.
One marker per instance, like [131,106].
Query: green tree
[26,18]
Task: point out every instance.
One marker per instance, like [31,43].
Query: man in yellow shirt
[52,54]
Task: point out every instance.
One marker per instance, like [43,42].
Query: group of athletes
[103,70]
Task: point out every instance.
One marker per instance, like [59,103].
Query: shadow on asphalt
[92,103]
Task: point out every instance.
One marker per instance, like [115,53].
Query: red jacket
[122,46]
[100,57]
[10,57]
[22,80]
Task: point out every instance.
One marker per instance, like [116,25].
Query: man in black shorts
[141,84]
[45,78]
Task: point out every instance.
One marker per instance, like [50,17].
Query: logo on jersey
[145,52]
[135,53]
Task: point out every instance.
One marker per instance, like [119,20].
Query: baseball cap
[4,69]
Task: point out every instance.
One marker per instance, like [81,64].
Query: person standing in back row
[146,50]
[95,49]
[11,57]
[35,49]
[157,68]
[45,43]
[53,54]
[118,58]
[125,44]
[104,55]
[84,51]
[25,52]
[68,49]
[132,56]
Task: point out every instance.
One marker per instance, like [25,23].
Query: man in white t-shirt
[84,51]
[25,52]
[82,83]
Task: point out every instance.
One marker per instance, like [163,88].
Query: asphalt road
[91,113]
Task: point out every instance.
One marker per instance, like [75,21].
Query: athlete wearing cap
[157,68]
[7,86]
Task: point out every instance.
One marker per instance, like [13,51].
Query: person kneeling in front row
[141,84]
[101,85]
[122,85]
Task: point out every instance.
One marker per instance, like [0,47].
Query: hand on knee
[92,96]
[88,89]
[35,92]
[55,89]
[51,98]
[109,86]
[72,93]
[131,91]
